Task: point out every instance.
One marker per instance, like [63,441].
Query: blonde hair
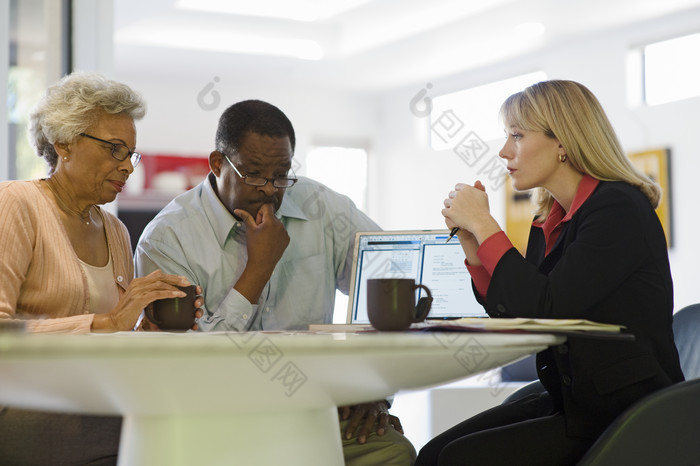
[73,105]
[569,112]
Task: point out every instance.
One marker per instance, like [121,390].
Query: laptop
[423,255]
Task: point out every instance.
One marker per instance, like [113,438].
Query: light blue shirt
[196,236]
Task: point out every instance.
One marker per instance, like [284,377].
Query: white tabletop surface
[288,370]
[280,376]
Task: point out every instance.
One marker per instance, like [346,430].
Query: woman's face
[95,175]
[532,158]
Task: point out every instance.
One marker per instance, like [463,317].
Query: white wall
[408,181]
[92,30]
[179,121]
[411,180]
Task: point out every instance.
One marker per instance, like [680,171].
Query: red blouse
[496,245]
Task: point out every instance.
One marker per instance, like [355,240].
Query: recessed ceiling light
[530,29]
[297,10]
[223,42]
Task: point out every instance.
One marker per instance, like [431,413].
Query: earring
[65,158]
[562,158]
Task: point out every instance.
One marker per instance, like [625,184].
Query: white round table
[254,398]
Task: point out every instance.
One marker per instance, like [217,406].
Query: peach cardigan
[40,275]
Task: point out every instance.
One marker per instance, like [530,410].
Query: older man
[269,250]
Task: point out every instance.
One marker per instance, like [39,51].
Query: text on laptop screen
[422,255]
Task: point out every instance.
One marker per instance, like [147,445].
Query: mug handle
[423,306]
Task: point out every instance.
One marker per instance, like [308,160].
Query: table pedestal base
[289,438]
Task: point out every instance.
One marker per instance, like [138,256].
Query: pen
[138,322]
[452,233]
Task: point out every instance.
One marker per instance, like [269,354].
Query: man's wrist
[252,283]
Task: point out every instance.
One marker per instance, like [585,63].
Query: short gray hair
[73,105]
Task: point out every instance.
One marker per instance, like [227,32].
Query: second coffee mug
[391,303]
[174,314]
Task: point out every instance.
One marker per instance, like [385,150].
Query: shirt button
[562,349]
[245,316]
[501,308]
[120,278]
[566,380]
[267,309]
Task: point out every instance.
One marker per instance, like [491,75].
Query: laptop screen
[422,255]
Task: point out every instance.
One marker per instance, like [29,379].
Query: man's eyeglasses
[254,180]
[119,151]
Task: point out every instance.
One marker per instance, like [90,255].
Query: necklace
[85,218]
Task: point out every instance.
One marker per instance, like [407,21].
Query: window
[39,56]
[669,71]
[474,111]
[343,169]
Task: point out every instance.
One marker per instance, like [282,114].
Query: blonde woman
[66,264]
[596,251]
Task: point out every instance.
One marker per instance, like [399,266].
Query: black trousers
[524,432]
[41,438]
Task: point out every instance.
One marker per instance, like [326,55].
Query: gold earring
[562,158]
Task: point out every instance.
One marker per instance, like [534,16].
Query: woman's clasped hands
[467,207]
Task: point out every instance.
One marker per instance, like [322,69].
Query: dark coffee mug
[174,314]
[391,303]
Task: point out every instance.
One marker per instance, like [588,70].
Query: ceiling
[353,44]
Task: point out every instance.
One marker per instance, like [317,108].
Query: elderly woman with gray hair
[65,263]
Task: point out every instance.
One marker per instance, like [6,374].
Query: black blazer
[609,264]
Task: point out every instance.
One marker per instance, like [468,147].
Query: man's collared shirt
[197,237]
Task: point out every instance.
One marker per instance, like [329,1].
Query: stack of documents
[481,324]
[542,325]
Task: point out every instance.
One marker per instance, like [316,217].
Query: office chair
[662,428]
[686,332]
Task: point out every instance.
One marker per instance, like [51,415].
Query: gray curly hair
[73,105]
